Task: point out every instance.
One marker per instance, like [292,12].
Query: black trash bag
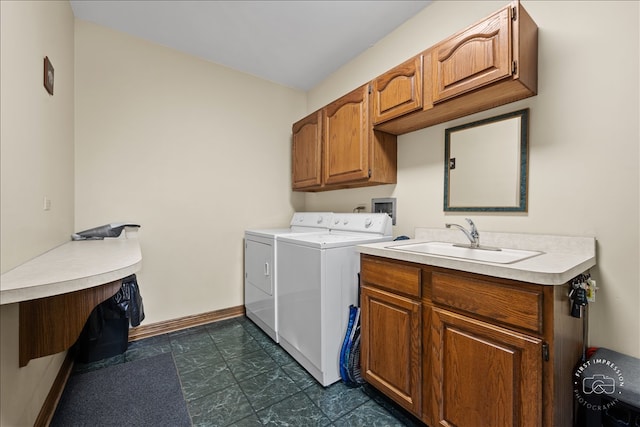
[129,301]
[105,334]
[95,323]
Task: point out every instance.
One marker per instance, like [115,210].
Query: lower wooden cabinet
[392,349]
[484,374]
[467,350]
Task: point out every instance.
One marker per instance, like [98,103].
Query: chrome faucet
[472,235]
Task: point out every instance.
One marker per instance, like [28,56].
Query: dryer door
[259,265]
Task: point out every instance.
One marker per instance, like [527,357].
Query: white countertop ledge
[70,267]
[563,257]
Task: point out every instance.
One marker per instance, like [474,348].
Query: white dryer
[260,275]
[317,282]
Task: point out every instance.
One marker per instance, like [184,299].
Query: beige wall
[194,152]
[36,140]
[584,139]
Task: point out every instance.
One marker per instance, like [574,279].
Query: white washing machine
[260,275]
[317,282]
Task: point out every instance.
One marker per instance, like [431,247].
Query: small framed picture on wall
[48,75]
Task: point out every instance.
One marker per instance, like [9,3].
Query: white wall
[584,139]
[194,152]
[36,141]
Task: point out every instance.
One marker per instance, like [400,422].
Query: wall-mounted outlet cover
[386,205]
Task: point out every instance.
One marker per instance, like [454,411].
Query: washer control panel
[362,222]
[312,219]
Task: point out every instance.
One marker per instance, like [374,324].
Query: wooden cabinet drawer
[395,277]
[519,306]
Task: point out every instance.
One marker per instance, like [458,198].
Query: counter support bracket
[53,324]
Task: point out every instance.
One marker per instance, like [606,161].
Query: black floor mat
[145,392]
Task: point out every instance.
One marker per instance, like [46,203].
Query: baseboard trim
[159,328]
[55,393]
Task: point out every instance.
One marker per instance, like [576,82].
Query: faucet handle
[473,226]
[474,233]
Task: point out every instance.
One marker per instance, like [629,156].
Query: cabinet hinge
[514,15]
[514,67]
[369,173]
[545,352]
[370,89]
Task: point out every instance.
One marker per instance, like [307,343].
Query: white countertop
[73,266]
[563,258]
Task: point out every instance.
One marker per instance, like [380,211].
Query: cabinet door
[474,57]
[346,129]
[398,91]
[390,352]
[306,161]
[484,375]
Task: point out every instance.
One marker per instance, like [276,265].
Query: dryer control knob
[345,222]
[368,222]
[319,220]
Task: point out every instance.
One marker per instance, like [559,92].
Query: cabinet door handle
[266,268]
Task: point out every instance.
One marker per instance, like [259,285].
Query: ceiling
[292,43]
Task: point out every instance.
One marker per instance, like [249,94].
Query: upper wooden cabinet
[345,124]
[398,91]
[337,147]
[491,63]
[307,152]
[352,141]
[479,55]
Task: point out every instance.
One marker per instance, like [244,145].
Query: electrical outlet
[46,204]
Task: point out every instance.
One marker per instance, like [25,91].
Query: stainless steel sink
[494,255]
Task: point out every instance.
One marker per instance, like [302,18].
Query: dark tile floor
[233,374]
